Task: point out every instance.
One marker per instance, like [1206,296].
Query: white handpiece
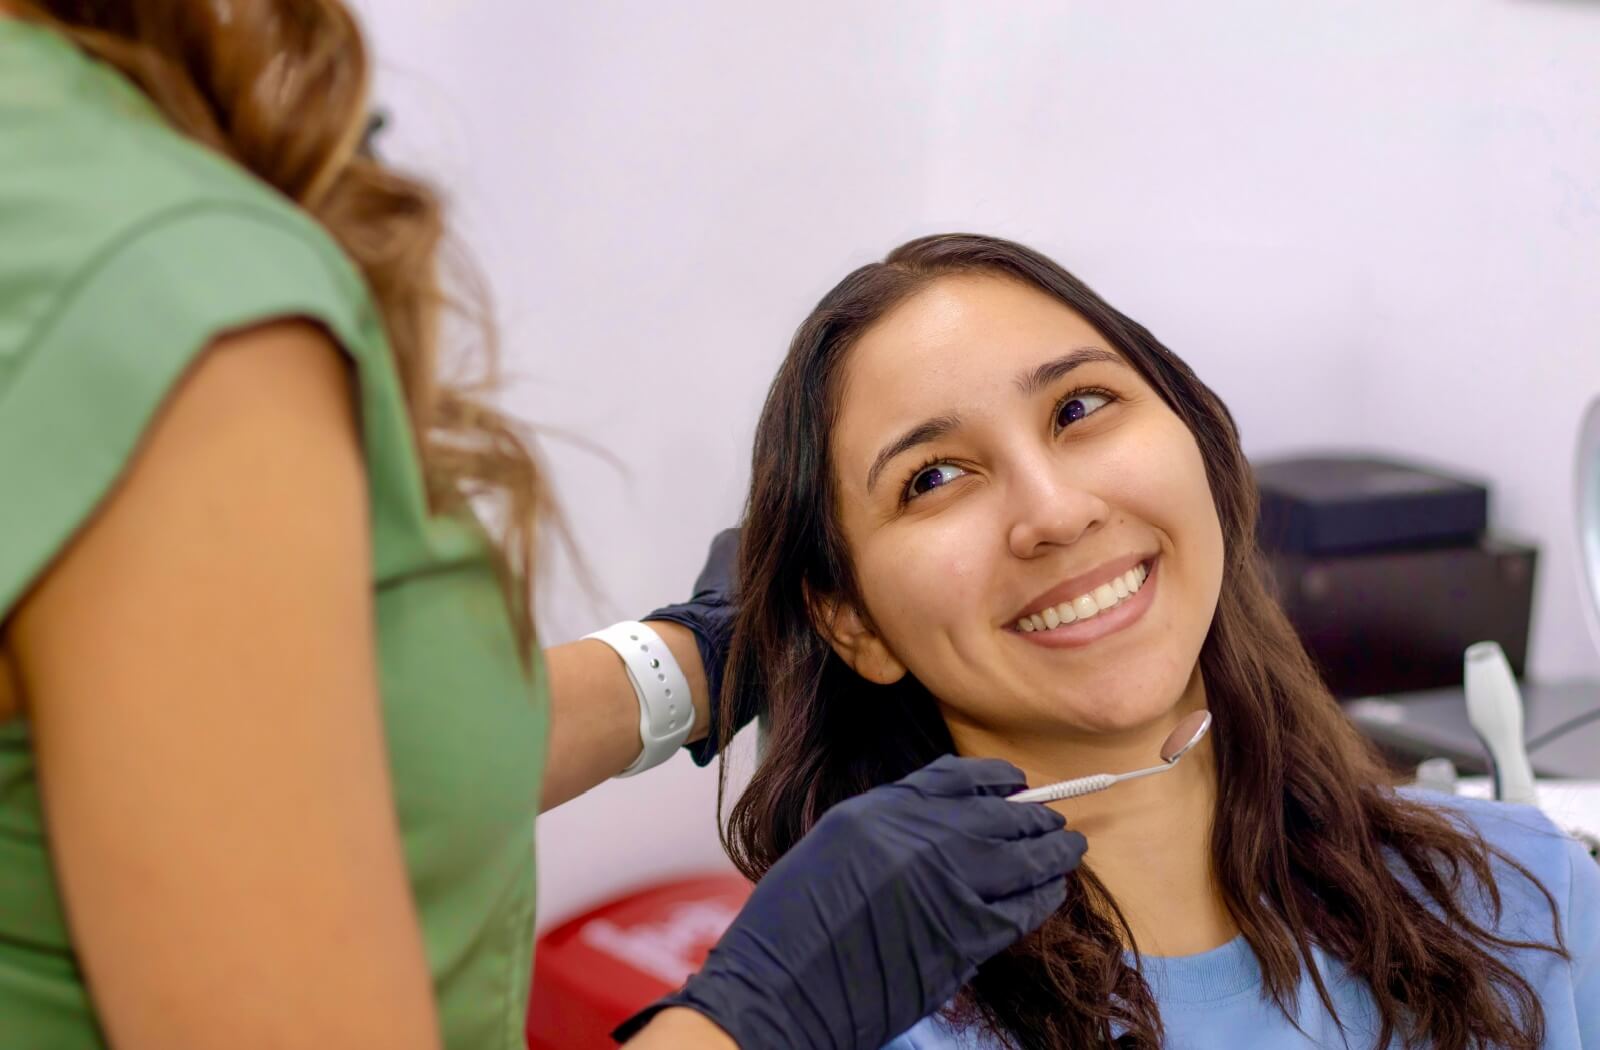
[1494,707]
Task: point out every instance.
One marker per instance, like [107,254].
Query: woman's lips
[1083,632]
[1086,583]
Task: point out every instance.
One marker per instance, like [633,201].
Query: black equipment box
[1393,621]
[1323,505]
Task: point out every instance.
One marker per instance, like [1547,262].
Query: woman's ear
[854,640]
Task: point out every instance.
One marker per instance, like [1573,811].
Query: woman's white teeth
[1088,605]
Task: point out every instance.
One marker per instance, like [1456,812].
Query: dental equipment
[1494,707]
[1186,735]
[1588,501]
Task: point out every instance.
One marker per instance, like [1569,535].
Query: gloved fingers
[716,578]
[996,870]
[999,820]
[950,776]
[1027,910]
[1064,851]
[1048,857]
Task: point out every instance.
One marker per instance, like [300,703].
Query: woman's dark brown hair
[280,87]
[1307,849]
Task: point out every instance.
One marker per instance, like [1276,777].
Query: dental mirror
[1184,736]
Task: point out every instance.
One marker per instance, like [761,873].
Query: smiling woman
[1001,519]
[1060,473]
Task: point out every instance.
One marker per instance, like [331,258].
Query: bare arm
[199,669]
[594,714]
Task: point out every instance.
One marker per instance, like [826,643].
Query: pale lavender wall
[1367,225]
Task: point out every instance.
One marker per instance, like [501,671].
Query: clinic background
[1367,225]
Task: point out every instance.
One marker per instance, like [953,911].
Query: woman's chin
[1119,708]
[1112,703]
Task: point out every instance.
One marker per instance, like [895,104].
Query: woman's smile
[1110,607]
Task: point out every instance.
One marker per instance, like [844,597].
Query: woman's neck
[1149,839]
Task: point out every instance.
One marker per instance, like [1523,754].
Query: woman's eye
[1077,406]
[924,481]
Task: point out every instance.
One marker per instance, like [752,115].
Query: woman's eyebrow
[924,432]
[1036,379]
[1030,383]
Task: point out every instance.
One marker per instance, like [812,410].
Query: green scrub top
[126,248]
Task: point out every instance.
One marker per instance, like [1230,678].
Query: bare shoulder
[262,423]
[269,391]
[253,459]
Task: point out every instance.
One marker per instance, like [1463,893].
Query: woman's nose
[1048,510]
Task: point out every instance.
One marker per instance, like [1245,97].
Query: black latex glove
[709,614]
[880,914]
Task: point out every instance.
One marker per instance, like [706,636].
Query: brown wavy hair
[281,88]
[1303,849]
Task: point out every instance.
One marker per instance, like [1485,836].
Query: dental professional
[274,725]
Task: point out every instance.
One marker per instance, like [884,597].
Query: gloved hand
[880,914]
[709,614]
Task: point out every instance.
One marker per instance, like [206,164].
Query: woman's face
[996,458]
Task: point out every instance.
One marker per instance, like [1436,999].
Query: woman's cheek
[943,569]
[922,584]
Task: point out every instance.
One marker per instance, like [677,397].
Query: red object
[595,971]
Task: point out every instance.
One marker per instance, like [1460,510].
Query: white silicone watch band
[666,708]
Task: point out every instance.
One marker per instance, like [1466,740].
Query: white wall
[1367,225]
[1364,224]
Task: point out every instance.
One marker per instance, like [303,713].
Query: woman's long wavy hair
[281,87]
[1304,847]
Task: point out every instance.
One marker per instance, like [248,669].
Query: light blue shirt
[1213,1001]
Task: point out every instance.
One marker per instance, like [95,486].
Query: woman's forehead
[962,341]
[968,326]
